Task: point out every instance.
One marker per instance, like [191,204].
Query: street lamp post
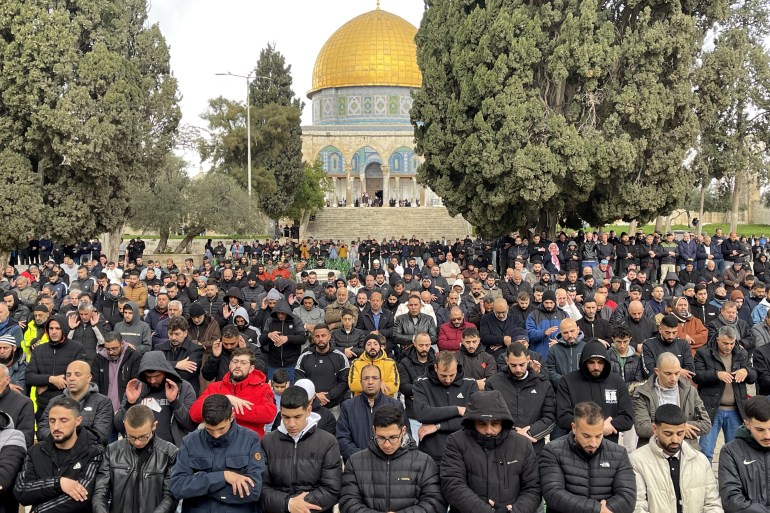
[248,119]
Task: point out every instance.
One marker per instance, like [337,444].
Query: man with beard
[470,301]
[12,356]
[743,461]
[17,406]
[133,330]
[690,328]
[160,311]
[48,364]
[59,473]
[116,363]
[391,452]
[468,482]
[450,333]
[497,328]
[564,355]
[96,409]
[34,334]
[476,364]
[413,365]
[374,354]
[529,395]
[282,339]
[180,351]
[583,472]
[160,333]
[218,362]
[595,382]
[440,398]
[8,326]
[543,324]
[248,391]
[407,325]
[667,341]
[327,368]
[168,396]
[593,326]
[689,486]
[728,316]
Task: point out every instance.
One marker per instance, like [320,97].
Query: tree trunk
[658,224]
[632,228]
[163,240]
[5,257]
[700,210]
[737,191]
[111,243]
[667,224]
[188,238]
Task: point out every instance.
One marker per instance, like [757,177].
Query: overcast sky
[226,36]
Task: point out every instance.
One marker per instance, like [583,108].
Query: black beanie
[549,295]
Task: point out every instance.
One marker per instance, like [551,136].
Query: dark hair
[589,300]
[588,411]
[280,376]
[386,416]
[621,331]
[701,286]
[65,402]
[758,408]
[177,323]
[216,409]
[445,358]
[669,321]
[138,415]
[517,349]
[133,273]
[294,397]
[230,331]
[470,332]
[112,336]
[82,268]
[322,326]
[244,351]
[669,414]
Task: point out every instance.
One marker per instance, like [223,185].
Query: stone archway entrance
[374,181]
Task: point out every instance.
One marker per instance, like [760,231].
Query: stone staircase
[353,223]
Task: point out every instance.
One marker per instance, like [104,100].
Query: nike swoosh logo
[748,462]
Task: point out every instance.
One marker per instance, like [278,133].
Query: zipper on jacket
[387,496]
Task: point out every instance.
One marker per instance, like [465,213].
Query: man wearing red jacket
[248,391]
[450,334]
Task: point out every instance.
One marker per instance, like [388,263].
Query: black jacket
[38,484]
[366,322]
[710,387]
[293,328]
[117,478]
[19,407]
[436,403]
[354,425]
[574,482]
[215,367]
[599,328]
[410,370]
[187,349]
[312,465]
[96,411]
[90,336]
[327,422]
[745,336]
[608,390]
[127,370]
[531,401]
[761,365]
[328,372]
[744,487]
[13,449]
[408,480]
[476,469]
[653,347]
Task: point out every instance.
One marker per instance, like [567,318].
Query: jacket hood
[487,405]
[156,361]
[461,284]
[561,340]
[255,377]
[594,349]
[241,312]
[309,294]
[15,297]
[134,308]
[671,275]
[62,320]
[744,434]
[281,306]
[93,388]
[236,293]
[6,422]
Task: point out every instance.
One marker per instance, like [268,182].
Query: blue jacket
[354,425]
[539,321]
[198,478]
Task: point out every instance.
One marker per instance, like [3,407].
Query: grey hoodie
[96,411]
[563,358]
[314,316]
[137,333]
[181,424]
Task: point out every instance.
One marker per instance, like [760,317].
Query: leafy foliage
[309,196]
[89,102]
[534,114]
[19,200]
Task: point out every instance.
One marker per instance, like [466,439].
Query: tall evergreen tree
[538,113]
[88,100]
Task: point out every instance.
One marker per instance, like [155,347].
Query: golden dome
[376,48]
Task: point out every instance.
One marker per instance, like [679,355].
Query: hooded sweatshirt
[96,412]
[608,390]
[287,354]
[137,332]
[173,417]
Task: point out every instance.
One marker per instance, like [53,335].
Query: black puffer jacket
[51,360]
[90,336]
[406,481]
[127,370]
[95,410]
[312,465]
[744,487]
[410,370]
[532,402]
[293,328]
[574,482]
[117,478]
[436,403]
[608,390]
[710,388]
[476,469]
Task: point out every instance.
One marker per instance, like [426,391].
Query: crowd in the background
[591,373]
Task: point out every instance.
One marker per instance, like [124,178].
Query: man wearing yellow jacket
[374,355]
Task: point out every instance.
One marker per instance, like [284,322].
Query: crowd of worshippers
[426,383]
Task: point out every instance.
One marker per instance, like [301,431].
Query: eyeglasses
[143,438]
[392,440]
